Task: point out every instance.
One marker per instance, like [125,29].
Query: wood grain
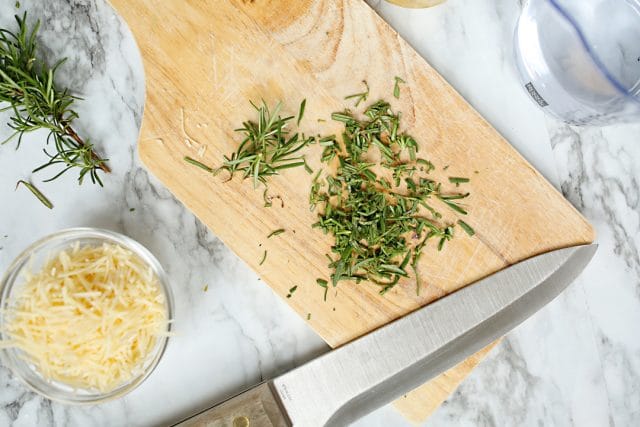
[204,62]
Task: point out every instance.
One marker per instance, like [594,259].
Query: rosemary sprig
[267,148]
[379,225]
[28,86]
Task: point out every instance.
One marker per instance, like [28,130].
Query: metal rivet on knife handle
[241,422]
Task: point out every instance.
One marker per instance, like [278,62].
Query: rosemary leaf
[323,284]
[276,232]
[264,257]
[396,86]
[453,205]
[303,104]
[196,163]
[458,180]
[466,227]
[43,199]
[291,291]
[360,97]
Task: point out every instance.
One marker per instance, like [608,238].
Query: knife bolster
[256,407]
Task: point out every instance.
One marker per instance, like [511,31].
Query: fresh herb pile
[379,212]
[27,86]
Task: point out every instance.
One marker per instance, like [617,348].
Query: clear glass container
[33,258]
[579,60]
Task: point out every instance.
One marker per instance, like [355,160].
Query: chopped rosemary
[396,86]
[36,103]
[323,284]
[360,97]
[291,291]
[276,232]
[266,147]
[466,227]
[43,199]
[303,104]
[448,199]
[380,226]
[308,316]
[458,180]
[426,165]
[196,163]
[264,257]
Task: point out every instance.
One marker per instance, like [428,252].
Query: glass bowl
[33,258]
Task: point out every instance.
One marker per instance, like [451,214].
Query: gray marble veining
[599,173]
[577,362]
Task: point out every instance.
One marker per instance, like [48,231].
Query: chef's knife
[345,384]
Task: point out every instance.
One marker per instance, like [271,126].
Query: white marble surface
[577,362]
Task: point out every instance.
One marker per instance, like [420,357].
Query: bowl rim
[8,281]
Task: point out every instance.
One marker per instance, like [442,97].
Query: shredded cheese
[90,318]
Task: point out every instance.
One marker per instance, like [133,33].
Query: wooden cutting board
[204,61]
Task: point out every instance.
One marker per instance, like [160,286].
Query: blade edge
[458,350]
[504,316]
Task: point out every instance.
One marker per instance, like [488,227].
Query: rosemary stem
[72,133]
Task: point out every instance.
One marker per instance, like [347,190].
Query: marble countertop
[576,362]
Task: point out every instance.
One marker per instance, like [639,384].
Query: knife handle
[256,407]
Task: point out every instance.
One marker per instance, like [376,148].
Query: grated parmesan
[90,318]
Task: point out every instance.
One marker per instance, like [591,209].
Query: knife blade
[341,386]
